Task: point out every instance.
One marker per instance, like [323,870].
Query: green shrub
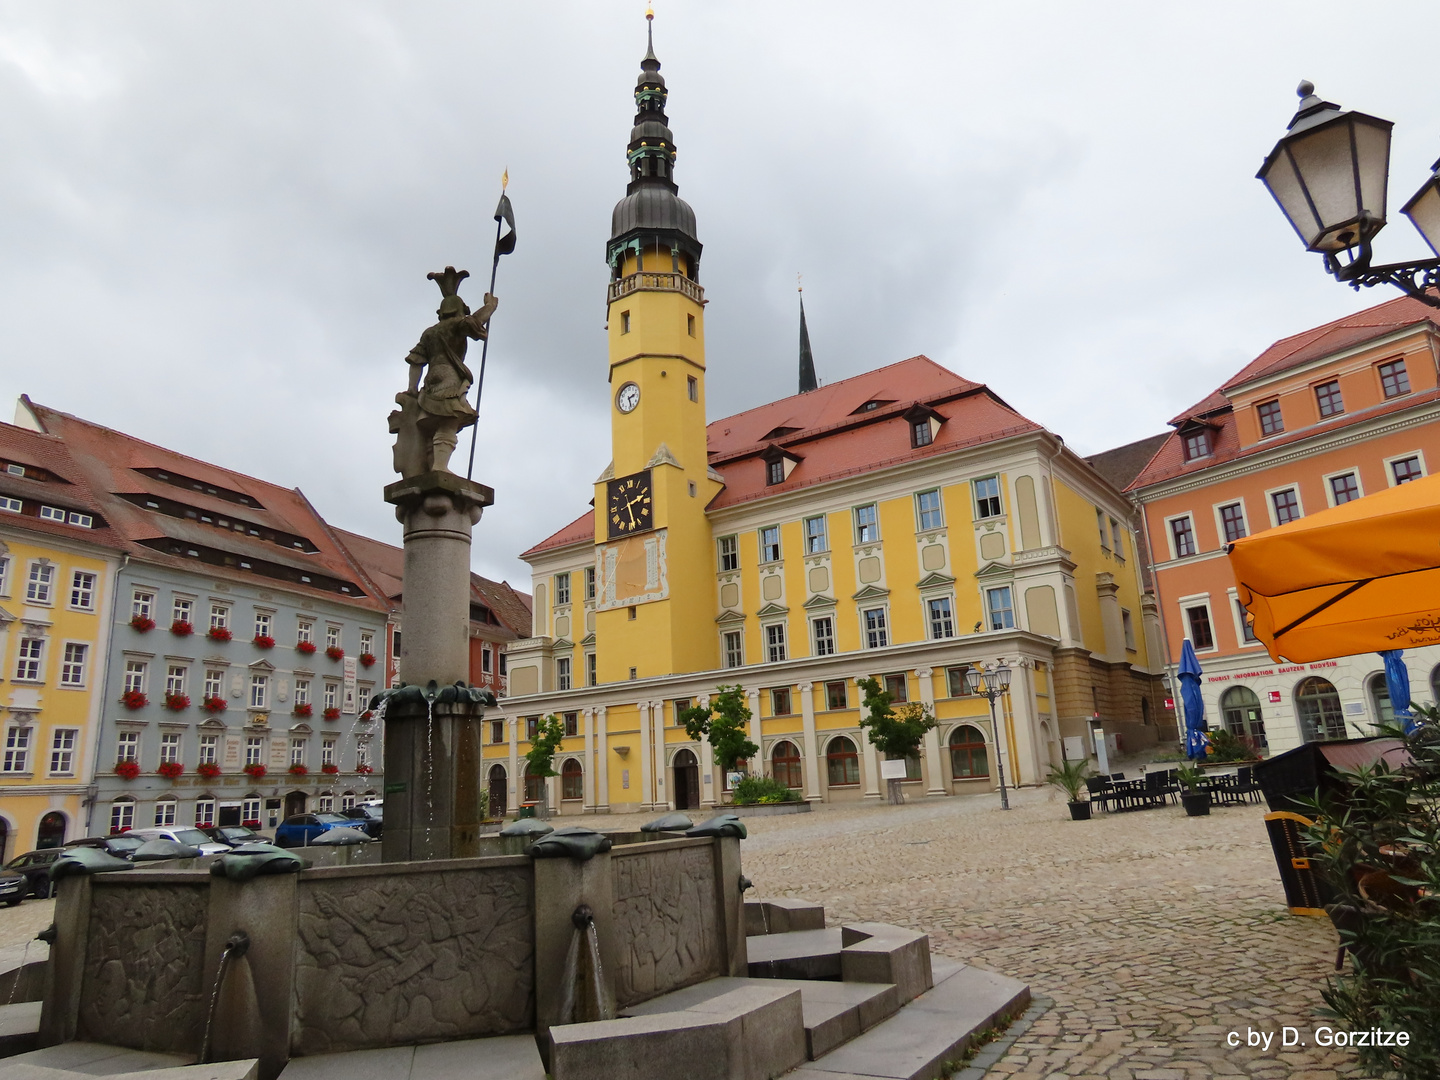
[763,789]
[1226,747]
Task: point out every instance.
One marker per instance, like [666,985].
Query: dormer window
[920,433]
[872,405]
[775,471]
[1197,444]
[924,425]
[779,464]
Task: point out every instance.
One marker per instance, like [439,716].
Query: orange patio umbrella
[1362,577]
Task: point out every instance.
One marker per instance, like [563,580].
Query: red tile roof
[582,528]
[68,491]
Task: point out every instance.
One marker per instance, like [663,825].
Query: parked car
[299,830]
[232,835]
[35,866]
[369,816]
[121,845]
[182,834]
[13,887]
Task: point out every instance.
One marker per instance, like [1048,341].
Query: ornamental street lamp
[992,681]
[1329,173]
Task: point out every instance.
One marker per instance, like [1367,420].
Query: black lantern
[1328,174]
[1423,210]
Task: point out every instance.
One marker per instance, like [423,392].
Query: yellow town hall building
[903,524]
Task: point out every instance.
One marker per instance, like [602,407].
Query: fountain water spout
[236,946]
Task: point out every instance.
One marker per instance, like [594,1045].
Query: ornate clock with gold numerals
[629,504]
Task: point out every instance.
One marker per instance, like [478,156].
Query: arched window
[1243,718]
[205,810]
[347,800]
[842,762]
[52,830]
[572,780]
[534,786]
[785,764]
[968,758]
[122,815]
[1384,712]
[325,804]
[499,792]
[1318,704]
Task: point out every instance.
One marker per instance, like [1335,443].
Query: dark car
[13,887]
[121,845]
[234,835]
[299,830]
[35,866]
[370,817]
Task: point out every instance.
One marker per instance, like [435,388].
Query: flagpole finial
[650,14]
[800,288]
[505,180]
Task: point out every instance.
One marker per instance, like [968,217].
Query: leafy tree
[896,733]
[724,723]
[540,758]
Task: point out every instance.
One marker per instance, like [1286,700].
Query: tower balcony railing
[644,281]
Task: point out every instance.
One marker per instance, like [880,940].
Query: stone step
[504,1057]
[90,1059]
[223,1070]
[782,916]
[19,1027]
[799,954]
[934,1028]
[832,1012]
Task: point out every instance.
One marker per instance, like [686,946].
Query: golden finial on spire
[798,286]
[505,179]
[650,13]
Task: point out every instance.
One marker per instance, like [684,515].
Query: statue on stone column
[432,412]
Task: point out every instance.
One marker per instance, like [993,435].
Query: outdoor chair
[1098,788]
[1245,784]
[1117,776]
[1154,790]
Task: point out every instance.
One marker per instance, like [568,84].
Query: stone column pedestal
[433,807]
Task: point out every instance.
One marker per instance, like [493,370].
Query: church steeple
[808,381]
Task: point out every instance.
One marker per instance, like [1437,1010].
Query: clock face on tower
[629,505]
[627,398]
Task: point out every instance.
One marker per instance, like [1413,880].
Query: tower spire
[808,381]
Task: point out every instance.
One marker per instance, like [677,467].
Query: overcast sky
[216,219]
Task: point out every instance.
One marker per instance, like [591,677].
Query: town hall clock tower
[655,575]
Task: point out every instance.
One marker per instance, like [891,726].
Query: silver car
[182,834]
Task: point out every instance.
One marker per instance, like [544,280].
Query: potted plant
[254,770]
[1070,778]
[207,769]
[177,702]
[181,628]
[1194,796]
[305,647]
[364,770]
[170,769]
[330,768]
[304,708]
[331,713]
[218,633]
[134,699]
[127,770]
[298,770]
[213,703]
[334,652]
[142,623]
[263,641]
[367,659]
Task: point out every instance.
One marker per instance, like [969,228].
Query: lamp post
[991,681]
[1329,173]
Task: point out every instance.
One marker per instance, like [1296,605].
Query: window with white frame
[127,746]
[729,549]
[367,643]
[927,510]
[122,815]
[332,637]
[347,801]
[142,604]
[175,679]
[1127,624]
[987,497]
[562,673]
[1232,521]
[214,683]
[1100,525]
[589,583]
[1117,538]
[182,610]
[17,749]
[327,752]
[85,521]
[254,750]
[877,630]
[733,648]
[823,632]
[775,643]
[485,659]
[52,513]
[82,590]
[1197,621]
[302,692]
[867,524]
[562,589]
[135,672]
[250,811]
[941,617]
[1182,535]
[297,751]
[219,616]
[1000,608]
[325,804]
[40,587]
[63,742]
[204,812]
[169,747]
[1406,469]
[72,664]
[590,673]
[305,631]
[1286,505]
[331,695]
[264,624]
[362,752]
[11,505]
[259,691]
[815,538]
[209,749]
[165,811]
[770,544]
[4,575]
[28,660]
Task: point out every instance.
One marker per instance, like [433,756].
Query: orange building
[1318,419]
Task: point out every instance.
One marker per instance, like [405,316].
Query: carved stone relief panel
[398,958]
[143,986]
[667,930]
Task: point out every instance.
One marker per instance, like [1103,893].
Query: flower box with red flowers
[298,770]
[303,709]
[364,770]
[134,699]
[214,703]
[208,769]
[254,770]
[335,652]
[251,823]
[306,647]
[218,633]
[127,770]
[181,628]
[367,659]
[170,769]
[177,702]
[331,713]
[263,641]
[142,624]
[330,770]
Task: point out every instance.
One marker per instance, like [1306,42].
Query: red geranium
[134,699]
[254,770]
[214,703]
[252,823]
[127,770]
[264,641]
[141,623]
[365,769]
[170,769]
[335,652]
[218,633]
[367,659]
[208,769]
[177,702]
[329,770]
[331,714]
[299,770]
[181,628]
[306,647]
[303,709]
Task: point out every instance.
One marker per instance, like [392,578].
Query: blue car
[299,830]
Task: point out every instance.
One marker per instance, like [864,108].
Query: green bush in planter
[764,790]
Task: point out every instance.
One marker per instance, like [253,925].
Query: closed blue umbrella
[1397,682]
[1195,738]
